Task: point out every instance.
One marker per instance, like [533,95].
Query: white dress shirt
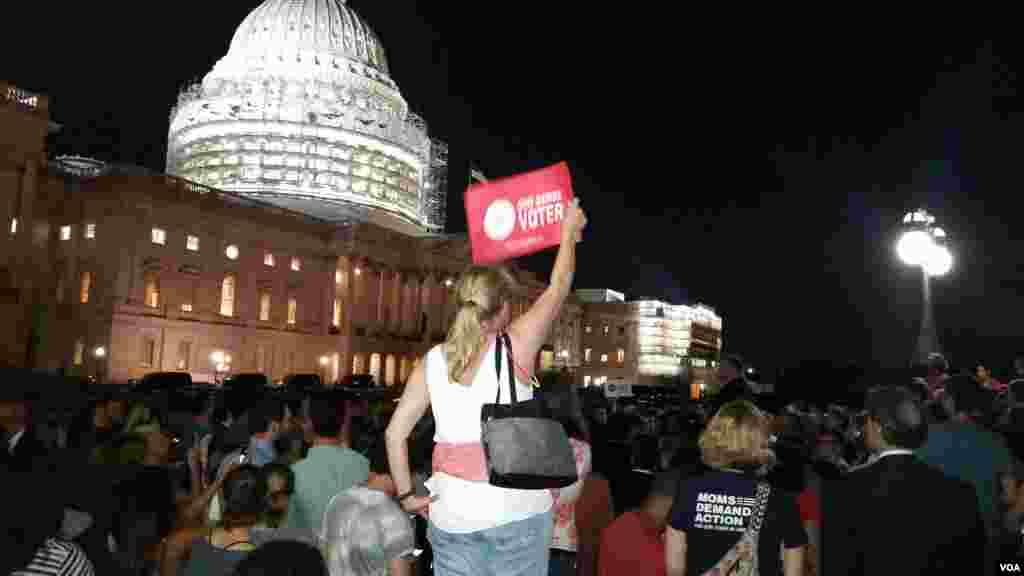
[891,452]
[13,441]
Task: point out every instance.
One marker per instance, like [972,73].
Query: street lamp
[324,360]
[221,365]
[99,353]
[923,244]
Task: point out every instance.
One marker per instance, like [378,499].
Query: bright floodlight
[939,262]
[915,247]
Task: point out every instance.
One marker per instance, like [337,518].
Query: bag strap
[764,490]
[503,339]
[750,536]
[497,367]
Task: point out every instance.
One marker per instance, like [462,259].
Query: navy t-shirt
[714,509]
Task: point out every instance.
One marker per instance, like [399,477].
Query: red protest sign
[518,215]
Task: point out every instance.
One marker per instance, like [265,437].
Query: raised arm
[412,406]
[530,331]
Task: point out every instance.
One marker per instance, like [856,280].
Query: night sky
[762,172]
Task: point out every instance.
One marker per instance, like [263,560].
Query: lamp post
[100,354]
[923,245]
[324,360]
[221,365]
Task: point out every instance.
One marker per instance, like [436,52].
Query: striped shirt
[57,558]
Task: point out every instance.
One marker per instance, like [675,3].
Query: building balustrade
[20,98]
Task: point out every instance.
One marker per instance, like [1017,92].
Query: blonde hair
[736,436]
[480,295]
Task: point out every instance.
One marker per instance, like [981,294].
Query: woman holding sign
[476,528]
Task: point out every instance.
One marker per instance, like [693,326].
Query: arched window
[293,310]
[152,287]
[265,306]
[227,296]
[84,287]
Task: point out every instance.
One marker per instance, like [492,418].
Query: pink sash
[465,461]
[468,462]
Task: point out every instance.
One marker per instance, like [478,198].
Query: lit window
[152,287]
[90,231]
[79,353]
[65,232]
[604,357]
[358,271]
[192,243]
[606,329]
[293,308]
[14,226]
[159,236]
[148,351]
[268,259]
[296,264]
[227,296]
[336,321]
[184,354]
[231,252]
[586,380]
[264,306]
[622,355]
[186,307]
[337,276]
[84,287]
[587,329]
[586,355]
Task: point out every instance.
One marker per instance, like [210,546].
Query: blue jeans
[516,549]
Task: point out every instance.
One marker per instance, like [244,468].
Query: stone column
[329,290]
[385,311]
[372,279]
[360,316]
[437,303]
[396,301]
[449,308]
[409,296]
[345,290]
[417,303]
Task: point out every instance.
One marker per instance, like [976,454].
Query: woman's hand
[417,505]
[574,222]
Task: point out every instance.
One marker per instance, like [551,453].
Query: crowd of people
[924,477]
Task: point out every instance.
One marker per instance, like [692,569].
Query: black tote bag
[525,448]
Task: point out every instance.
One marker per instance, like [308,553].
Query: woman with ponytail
[476,528]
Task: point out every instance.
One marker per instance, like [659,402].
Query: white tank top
[465,506]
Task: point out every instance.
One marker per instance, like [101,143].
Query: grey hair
[363,530]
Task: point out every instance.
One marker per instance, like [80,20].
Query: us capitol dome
[302,113]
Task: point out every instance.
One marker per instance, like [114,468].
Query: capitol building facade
[299,227]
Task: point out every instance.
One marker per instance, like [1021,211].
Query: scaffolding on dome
[435,202]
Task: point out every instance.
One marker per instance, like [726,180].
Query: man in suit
[22,449]
[895,514]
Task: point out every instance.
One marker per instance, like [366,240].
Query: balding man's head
[898,414]
[937,364]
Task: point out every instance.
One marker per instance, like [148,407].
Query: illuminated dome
[319,26]
[302,112]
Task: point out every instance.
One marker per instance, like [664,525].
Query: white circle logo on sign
[499,220]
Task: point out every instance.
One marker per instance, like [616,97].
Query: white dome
[319,26]
[301,112]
